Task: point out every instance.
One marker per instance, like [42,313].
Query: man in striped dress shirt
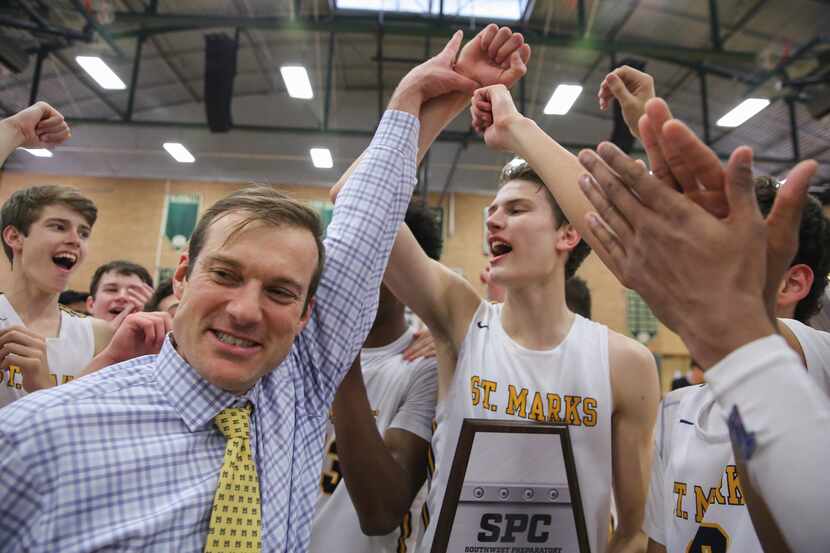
[128,458]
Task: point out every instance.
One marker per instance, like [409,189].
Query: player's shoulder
[678,408]
[423,369]
[628,353]
[806,335]
[683,395]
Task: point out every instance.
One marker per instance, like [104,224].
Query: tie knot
[233,421]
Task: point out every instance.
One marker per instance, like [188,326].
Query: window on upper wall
[484,9]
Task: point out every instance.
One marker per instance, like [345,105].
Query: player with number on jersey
[696,503]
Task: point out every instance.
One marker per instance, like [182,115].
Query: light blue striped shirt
[128,459]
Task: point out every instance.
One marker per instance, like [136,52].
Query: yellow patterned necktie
[235,523]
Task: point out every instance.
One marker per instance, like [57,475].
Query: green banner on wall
[182,214]
[325,210]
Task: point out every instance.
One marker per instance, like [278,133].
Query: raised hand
[140,295]
[435,77]
[681,160]
[137,334]
[699,273]
[632,89]
[495,56]
[39,126]
[26,350]
[495,116]
[678,156]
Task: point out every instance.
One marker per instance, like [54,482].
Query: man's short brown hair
[25,206]
[261,204]
[519,169]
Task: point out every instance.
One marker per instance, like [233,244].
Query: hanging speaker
[620,135]
[220,70]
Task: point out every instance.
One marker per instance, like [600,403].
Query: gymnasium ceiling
[769,48]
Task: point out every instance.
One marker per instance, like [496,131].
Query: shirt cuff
[398,130]
[748,380]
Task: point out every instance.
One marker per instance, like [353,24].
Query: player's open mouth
[499,248]
[117,310]
[65,260]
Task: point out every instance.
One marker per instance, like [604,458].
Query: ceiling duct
[13,58]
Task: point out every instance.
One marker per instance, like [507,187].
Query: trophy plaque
[512,488]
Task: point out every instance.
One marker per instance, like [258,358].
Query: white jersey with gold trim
[816,347]
[496,378]
[67,354]
[695,502]
[402,395]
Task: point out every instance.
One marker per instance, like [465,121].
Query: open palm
[495,56]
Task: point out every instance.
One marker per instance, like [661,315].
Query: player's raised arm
[495,115]
[38,126]
[441,298]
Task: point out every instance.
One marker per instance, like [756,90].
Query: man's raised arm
[368,213]
[442,298]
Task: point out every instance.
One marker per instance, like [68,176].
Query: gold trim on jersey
[72,312]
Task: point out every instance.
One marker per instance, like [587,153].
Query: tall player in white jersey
[376,447]
[696,502]
[532,359]
[45,231]
[495,55]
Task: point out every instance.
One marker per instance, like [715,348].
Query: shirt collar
[195,399]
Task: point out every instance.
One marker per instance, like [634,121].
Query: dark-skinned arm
[382,473]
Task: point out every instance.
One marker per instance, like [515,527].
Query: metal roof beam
[421,27]
[446,136]
[102,31]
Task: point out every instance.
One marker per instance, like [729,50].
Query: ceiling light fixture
[38,152]
[101,72]
[562,99]
[296,81]
[742,112]
[321,158]
[178,152]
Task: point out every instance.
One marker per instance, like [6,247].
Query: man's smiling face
[243,303]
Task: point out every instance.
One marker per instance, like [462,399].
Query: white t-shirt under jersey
[695,501]
[402,395]
[67,354]
[496,378]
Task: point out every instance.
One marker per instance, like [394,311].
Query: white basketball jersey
[816,347]
[496,378]
[67,354]
[695,502]
[402,395]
